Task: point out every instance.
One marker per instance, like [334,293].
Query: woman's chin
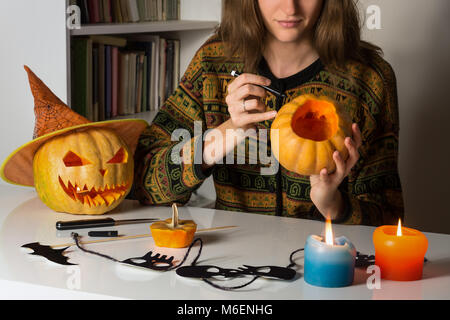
[290,37]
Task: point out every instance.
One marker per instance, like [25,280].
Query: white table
[258,240]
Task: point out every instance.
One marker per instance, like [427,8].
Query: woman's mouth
[289,24]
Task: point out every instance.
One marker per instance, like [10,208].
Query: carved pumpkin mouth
[94,196]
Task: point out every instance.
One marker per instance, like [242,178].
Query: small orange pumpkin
[84,171]
[173,233]
[306,132]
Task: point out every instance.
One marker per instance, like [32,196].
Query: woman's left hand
[324,187]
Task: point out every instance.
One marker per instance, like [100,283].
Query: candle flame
[399,228]
[328,233]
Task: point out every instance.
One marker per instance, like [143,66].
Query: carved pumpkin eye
[71,159]
[121,156]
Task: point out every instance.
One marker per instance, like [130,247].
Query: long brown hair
[337,33]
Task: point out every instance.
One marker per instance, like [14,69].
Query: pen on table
[234,73]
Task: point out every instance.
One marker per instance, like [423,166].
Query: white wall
[415,36]
[209,10]
[31,33]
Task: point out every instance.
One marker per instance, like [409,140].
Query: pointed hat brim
[18,167]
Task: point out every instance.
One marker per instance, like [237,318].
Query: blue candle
[329,265]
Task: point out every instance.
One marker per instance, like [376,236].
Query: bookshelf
[191,30]
[144,27]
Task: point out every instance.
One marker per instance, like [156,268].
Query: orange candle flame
[329,239]
[399,228]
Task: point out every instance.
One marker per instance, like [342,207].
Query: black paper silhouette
[164,263]
[209,271]
[149,261]
[54,255]
[364,260]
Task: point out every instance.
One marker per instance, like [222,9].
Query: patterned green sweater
[372,191]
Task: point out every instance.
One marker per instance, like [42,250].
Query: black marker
[275,92]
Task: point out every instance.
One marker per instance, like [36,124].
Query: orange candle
[399,252]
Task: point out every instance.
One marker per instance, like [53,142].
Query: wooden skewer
[145,235]
[174,223]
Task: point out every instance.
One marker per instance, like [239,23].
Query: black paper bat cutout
[149,261]
[54,255]
[209,271]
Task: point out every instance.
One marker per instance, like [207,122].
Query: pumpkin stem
[174,222]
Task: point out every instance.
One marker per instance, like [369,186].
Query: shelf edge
[144,27]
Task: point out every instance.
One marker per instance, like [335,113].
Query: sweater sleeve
[166,170]
[372,192]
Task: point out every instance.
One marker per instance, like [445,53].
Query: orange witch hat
[51,113]
[53,118]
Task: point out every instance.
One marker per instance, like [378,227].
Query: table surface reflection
[257,240]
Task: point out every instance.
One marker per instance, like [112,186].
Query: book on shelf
[127,11]
[95,82]
[108,82]
[107,11]
[114,80]
[140,57]
[81,73]
[162,70]
[149,44]
[117,76]
[84,9]
[123,80]
[101,82]
[131,83]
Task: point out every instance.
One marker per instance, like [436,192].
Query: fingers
[343,167]
[323,175]
[254,105]
[352,146]
[258,117]
[357,137]
[249,90]
[247,78]
[341,171]
[237,108]
[244,100]
[353,154]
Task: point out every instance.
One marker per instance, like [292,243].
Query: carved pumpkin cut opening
[315,120]
[71,159]
[94,196]
[121,156]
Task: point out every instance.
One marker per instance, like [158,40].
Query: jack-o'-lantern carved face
[83,172]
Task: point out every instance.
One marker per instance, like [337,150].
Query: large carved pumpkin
[83,172]
[306,132]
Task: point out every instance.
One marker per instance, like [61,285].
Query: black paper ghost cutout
[209,271]
[54,255]
[149,261]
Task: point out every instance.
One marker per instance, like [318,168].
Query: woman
[296,47]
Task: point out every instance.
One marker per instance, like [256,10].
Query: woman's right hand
[245,101]
[241,92]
